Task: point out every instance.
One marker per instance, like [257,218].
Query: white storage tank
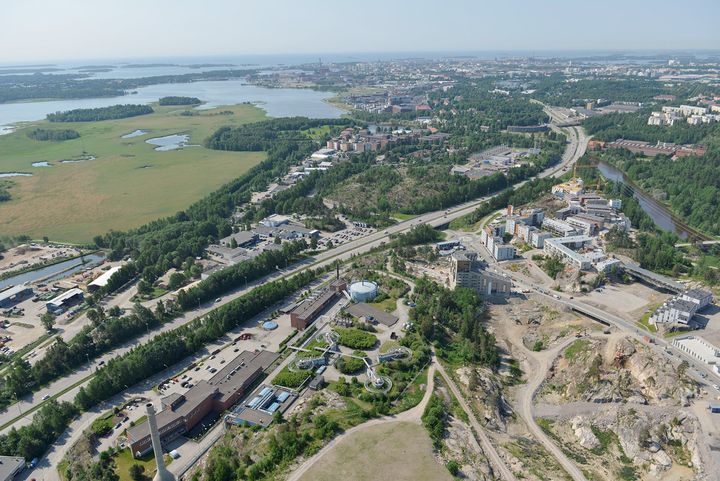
[363,291]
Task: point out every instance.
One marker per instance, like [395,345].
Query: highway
[66,388]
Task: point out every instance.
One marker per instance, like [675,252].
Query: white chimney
[162,473]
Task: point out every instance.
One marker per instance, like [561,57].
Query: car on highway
[218,299]
[46,397]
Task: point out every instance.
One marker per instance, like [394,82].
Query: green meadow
[127,183]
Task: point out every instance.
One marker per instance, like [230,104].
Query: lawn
[127,185]
[399,451]
[387,305]
[124,459]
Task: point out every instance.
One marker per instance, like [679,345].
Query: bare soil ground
[391,451]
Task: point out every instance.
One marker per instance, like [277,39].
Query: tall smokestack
[162,473]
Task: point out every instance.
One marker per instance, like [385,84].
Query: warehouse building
[699,348]
[103,279]
[65,300]
[14,295]
[182,412]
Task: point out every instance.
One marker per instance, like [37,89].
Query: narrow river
[660,214]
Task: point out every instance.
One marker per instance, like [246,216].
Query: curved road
[492,454]
[540,364]
[67,387]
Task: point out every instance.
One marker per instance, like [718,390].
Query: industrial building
[182,412]
[371,314]
[65,300]
[244,238]
[260,407]
[10,466]
[468,272]
[103,279]
[363,291]
[275,220]
[305,313]
[14,295]
[700,349]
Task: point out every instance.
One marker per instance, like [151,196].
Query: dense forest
[14,88]
[690,186]
[100,113]
[263,135]
[53,134]
[469,105]
[634,126]
[453,320]
[556,90]
[174,100]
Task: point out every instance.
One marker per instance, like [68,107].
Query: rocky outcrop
[626,372]
[584,433]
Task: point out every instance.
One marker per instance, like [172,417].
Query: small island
[174,100]
[101,113]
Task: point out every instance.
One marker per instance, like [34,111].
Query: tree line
[81,85]
[100,113]
[144,361]
[176,100]
[53,134]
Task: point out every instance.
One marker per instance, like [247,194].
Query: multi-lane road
[65,388]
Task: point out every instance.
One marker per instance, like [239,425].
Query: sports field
[398,451]
[127,184]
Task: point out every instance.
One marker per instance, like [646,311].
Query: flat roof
[9,466]
[103,279]
[224,383]
[365,310]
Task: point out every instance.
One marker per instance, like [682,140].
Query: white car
[46,397]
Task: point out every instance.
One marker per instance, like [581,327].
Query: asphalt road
[67,387]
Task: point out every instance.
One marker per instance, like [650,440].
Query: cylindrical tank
[362,291]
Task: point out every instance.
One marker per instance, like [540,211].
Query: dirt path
[413,415]
[487,446]
[540,363]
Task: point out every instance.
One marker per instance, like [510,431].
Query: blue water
[53,272]
[169,142]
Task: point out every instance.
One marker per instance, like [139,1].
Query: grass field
[127,185]
[399,451]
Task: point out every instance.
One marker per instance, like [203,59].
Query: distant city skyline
[48,30]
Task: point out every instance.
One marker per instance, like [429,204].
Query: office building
[468,272]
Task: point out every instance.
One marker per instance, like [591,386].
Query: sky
[46,30]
